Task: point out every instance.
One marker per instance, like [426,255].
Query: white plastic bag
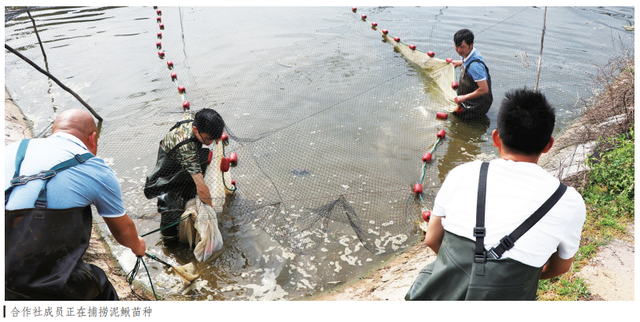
[202,229]
[208,239]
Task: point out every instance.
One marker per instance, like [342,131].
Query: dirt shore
[610,275]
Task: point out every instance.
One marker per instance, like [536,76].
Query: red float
[186,105]
[454,85]
[385,31]
[412,47]
[427,157]
[181,89]
[441,134]
[373,24]
[364,17]
[174,76]
[460,109]
[233,158]
[161,54]
[426,215]
[159,35]
[170,64]
[397,39]
[158,45]
[417,189]
[224,164]
[431,54]
[159,20]
[159,12]
[354,9]
[441,115]
[224,138]
[233,182]
[161,26]
[210,157]
[449,60]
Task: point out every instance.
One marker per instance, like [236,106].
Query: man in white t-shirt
[516,187]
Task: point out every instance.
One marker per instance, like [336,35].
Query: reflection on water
[321,113]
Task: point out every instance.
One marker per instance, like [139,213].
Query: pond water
[319,108]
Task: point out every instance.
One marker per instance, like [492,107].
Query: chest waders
[173,186]
[475,107]
[464,270]
[43,246]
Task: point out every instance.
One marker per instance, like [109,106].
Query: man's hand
[459,99]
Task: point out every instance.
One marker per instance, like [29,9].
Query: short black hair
[525,121]
[463,34]
[210,122]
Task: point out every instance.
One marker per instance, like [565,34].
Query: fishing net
[440,72]
[304,189]
[318,194]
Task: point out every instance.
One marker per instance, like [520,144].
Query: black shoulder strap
[179,123]
[481,62]
[186,141]
[479,231]
[508,241]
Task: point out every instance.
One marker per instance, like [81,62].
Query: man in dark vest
[50,184]
[474,83]
[182,161]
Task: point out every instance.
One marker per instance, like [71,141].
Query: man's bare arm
[124,231]
[435,233]
[203,190]
[556,266]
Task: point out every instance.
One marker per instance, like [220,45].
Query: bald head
[76,122]
[80,124]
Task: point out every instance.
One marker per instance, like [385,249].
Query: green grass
[609,196]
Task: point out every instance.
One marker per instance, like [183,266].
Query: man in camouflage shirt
[178,175]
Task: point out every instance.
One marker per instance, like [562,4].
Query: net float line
[440,70]
[444,74]
[417,188]
[186,105]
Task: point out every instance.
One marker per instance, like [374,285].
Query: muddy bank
[16,125]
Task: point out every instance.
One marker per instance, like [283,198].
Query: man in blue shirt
[474,85]
[48,223]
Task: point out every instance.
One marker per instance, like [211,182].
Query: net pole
[544,27]
[37,35]
[7,47]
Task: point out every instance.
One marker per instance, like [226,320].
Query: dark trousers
[86,282]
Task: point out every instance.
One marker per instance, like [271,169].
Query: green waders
[464,270]
[475,107]
[173,186]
